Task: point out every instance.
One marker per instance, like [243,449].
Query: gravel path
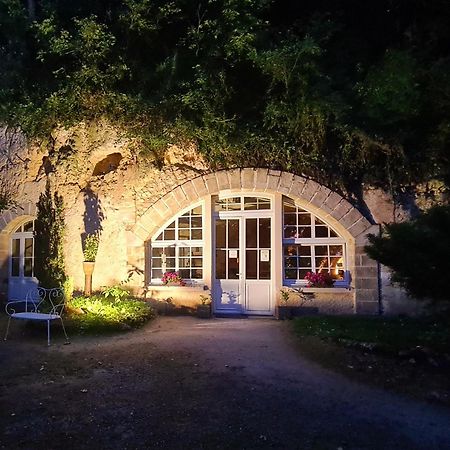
[184,383]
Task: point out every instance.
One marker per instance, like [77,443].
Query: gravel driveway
[184,383]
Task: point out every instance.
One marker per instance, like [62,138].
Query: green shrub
[97,313]
[116,292]
[417,252]
[90,247]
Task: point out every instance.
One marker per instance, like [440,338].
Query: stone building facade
[239,235]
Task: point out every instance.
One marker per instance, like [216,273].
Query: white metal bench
[40,304]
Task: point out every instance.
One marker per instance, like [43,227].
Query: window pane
[290,232]
[263,203]
[169,235]
[197,262]
[321,263]
[321,250]
[170,251]
[183,222]
[15,251]
[234,204]
[196,233]
[28,226]
[159,238]
[184,234]
[221,264]
[289,207]
[321,232]
[172,225]
[251,264]
[157,273]
[156,262]
[250,233]
[290,250]
[264,270]
[197,211]
[264,233]
[185,273]
[196,222]
[15,267]
[28,267]
[290,219]
[290,262]
[304,219]
[305,262]
[336,250]
[184,262]
[220,233]
[333,233]
[250,203]
[304,232]
[302,273]
[197,273]
[304,250]
[184,251]
[233,233]
[233,268]
[290,274]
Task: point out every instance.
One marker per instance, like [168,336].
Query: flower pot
[88,268]
[204,311]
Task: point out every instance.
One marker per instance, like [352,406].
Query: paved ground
[183,383]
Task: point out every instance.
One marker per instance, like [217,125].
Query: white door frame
[242,215]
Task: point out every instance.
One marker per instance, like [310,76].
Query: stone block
[366,283]
[349,219]
[366,271]
[311,187]
[161,208]
[171,202]
[320,196]
[235,178]
[223,182]
[342,208]
[367,307]
[297,187]
[200,186]
[331,201]
[248,178]
[261,179]
[189,190]
[273,179]
[211,183]
[359,227]
[180,196]
[285,183]
[141,232]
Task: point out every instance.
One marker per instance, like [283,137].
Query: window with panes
[309,245]
[22,251]
[179,247]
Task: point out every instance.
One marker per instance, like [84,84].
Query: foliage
[49,235]
[384,334]
[90,247]
[7,199]
[294,297]
[98,313]
[68,288]
[116,292]
[319,279]
[205,299]
[416,252]
[309,87]
[172,278]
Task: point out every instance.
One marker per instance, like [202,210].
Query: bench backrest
[40,299]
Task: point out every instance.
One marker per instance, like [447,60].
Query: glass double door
[243,256]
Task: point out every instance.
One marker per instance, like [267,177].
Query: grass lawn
[408,355]
[389,335]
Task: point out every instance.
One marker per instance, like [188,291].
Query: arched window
[310,245]
[179,247]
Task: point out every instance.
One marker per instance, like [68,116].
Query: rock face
[109,188]
[104,185]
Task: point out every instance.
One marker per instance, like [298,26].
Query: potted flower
[172,278]
[283,309]
[293,303]
[204,309]
[90,249]
[319,279]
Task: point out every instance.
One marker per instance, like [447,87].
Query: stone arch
[318,199]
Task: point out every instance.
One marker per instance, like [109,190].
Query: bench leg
[64,329]
[7,328]
[48,332]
